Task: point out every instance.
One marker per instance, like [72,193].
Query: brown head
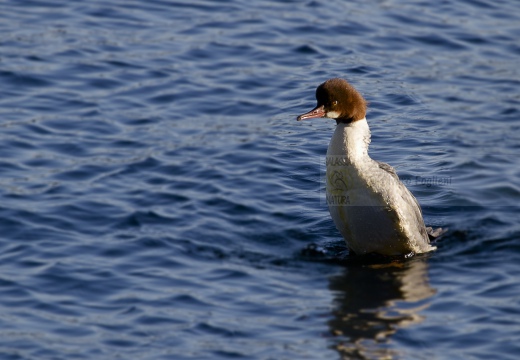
[338,100]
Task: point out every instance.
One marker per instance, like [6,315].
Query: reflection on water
[372,302]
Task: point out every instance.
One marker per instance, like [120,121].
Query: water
[159,200]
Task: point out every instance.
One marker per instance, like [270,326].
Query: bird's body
[372,209]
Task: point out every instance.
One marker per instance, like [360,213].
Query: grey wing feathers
[392,172]
[417,208]
[418,213]
[427,232]
[388,169]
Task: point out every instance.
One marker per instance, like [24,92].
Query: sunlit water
[159,200]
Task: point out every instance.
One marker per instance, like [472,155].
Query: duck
[372,209]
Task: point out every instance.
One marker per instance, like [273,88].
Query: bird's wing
[388,169]
[392,172]
[408,197]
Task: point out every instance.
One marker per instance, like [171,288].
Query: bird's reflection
[372,302]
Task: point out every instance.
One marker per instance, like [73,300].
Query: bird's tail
[434,235]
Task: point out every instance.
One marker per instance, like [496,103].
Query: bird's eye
[335,102]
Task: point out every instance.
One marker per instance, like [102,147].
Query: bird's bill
[317,112]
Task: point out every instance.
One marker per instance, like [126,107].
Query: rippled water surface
[159,200]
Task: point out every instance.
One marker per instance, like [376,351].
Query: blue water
[159,200]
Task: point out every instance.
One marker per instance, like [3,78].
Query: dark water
[159,200]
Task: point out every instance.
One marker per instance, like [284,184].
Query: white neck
[351,141]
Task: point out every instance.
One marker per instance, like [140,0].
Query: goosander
[372,209]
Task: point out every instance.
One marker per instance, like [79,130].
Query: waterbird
[371,208]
